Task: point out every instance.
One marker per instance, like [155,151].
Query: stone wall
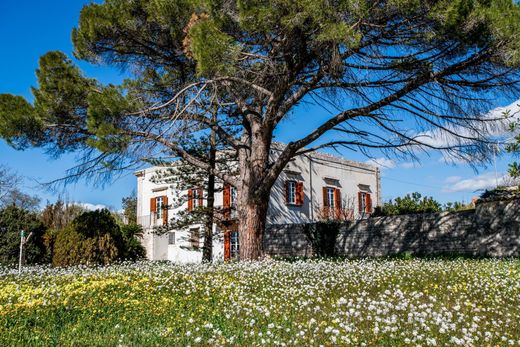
[491,230]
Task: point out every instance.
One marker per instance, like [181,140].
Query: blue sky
[30,28]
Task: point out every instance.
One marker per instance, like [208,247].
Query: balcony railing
[150,221]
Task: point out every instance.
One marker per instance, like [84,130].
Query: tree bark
[251,229]
[253,193]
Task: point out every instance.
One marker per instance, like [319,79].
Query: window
[196,197]
[194,237]
[363,202]
[330,197]
[159,203]
[291,192]
[233,196]
[171,238]
[234,245]
[294,193]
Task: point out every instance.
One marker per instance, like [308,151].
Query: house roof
[279,146]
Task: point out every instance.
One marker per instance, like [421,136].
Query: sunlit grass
[363,302]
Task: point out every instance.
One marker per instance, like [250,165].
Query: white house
[313,186]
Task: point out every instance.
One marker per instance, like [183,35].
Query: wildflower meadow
[272,303]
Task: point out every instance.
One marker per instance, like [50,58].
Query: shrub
[92,238]
[133,250]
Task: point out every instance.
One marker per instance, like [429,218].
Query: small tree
[130,208]
[10,193]
[13,220]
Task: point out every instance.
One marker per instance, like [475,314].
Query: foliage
[500,194]
[458,206]
[514,148]
[305,303]
[132,249]
[130,208]
[13,220]
[410,203]
[93,237]
[56,217]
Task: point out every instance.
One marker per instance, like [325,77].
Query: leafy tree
[387,74]
[14,219]
[56,217]
[94,237]
[130,208]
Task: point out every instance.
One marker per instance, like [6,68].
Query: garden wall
[491,230]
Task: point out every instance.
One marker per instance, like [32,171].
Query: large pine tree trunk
[251,228]
[253,196]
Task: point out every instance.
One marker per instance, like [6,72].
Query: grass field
[312,303]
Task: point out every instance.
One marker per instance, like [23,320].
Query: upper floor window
[364,202]
[159,209]
[196,193]
[291,192]
[159,202]
[233,196]
[294,193]
[330,197]
[194,198]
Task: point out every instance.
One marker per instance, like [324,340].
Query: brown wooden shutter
[337,202]
[227,201]
[325,197]
[200,197]
[360,203]
[368,203]
[165,210]
[299,193]
[190,200]
[286,192]
[153,205]
[227,196]
[227,245]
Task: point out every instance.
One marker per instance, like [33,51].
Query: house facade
[312,187]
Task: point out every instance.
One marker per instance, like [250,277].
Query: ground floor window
[171,238]
[234,246]
[195,237]
[231,245]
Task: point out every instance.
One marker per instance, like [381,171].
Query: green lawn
[312,303]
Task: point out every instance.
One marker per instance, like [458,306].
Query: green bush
[96,238]
[133,250]
[92,238]
[12,220]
